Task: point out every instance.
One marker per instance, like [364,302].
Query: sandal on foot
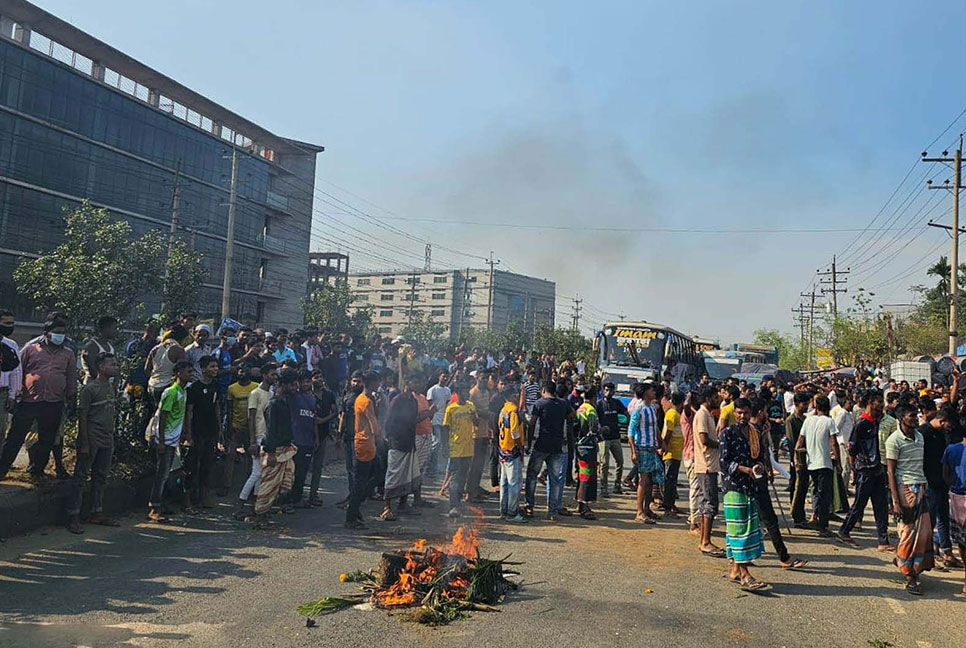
[754,585]
[795,565]
[714,553]
[387,517]
[914,588]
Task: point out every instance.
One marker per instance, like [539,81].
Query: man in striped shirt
[646,449]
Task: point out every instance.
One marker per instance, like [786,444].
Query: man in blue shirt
[551,413]
[282,350]
[647,447]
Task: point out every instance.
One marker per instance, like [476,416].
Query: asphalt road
[210,581]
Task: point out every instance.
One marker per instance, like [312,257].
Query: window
[414,296]
[412,280]
[439,280]
[363,282]
[385,313]
[359,297]
[385,297]
[388,281]
[385,329]
[437,312]
[439,295]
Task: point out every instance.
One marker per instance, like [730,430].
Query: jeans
[362,472]
[255,476]
[766,512]
[481,456]
[938,501]
[671,468]
[611,448]
[511,474]
[350,463]
[318,460]
[303,461]
[97,463]
[823,494]
[870,484]
[801,489]
[459,469]
[165,456]
[494,461]
[440,455]
[47,417]
[556,464]
[199,460]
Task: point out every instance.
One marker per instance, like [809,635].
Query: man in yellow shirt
[510,451]
[460,420]
[238,392]
[729,394]
[674,442]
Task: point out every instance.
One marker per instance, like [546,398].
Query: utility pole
[622,316]
[230,243]
[463,299]
[412,297]
[802,318]
[576,310]
[489,304]
[834,279]
[429,258]
[811,327]
[957,162]
[172,233]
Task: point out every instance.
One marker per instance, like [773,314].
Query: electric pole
[230,242]
[172,233]
[622,316]
[412,297]
[429,258]
[802,318]
[576,312]
[834,279]
[464,298]
[489,303]
[806,314]
[957,162]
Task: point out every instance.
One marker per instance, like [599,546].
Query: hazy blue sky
[699,117]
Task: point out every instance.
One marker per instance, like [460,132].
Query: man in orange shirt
[364,442]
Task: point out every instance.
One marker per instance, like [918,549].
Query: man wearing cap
[194,351]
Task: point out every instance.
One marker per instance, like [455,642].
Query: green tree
[185,276]
[98,269]
[792,352]
[327,308]
[426,331]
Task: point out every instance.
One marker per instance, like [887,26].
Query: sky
[691,164]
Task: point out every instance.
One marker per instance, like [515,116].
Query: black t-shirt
[609,411]
[551,414]
[933,446]
[324,400]
[349,416]
[204,418]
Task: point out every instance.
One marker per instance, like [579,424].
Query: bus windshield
[633,347]
[721,368]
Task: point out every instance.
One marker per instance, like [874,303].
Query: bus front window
[635,352]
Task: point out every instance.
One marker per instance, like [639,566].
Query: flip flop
[796,565]
[733,579]
[754,585]
[714,553]
[914,588]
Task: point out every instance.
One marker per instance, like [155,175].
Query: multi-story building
[457,299]
[81,120]
[326,267]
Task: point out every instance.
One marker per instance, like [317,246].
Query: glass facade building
[69,132]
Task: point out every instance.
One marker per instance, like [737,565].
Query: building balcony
[273,244]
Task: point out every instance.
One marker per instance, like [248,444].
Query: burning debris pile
[435,585]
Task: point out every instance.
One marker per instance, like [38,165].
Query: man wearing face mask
[50,383]
[11,376]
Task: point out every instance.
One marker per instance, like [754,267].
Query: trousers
[870,485]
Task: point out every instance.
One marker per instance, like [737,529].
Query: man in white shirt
[439,396]
[10,381]
[818,438]
[844,422]
[788,398]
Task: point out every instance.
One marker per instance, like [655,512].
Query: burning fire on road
[435,585]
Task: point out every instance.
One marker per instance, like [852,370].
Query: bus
[723,363]
[770,353]
[704,344]
[630,352]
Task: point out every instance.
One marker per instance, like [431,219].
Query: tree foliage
[327,308]
[792,352]
[98,269]
[185,276]
[426,331]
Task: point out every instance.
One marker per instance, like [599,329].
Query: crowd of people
[474,425]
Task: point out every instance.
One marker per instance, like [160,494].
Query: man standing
[10,380]
[842,416]
[278,449]
[402,466]
[201,434]
[510,450]
[818,439]
[869,472]
[347,431]
[459,422]
[198,349]
[95,442]
[238,393]
[935,435]
[551,413]
[439,396]
[907,483]
[50,384]
[325,411]
[793,429]
[706,467]
[101,342]
[674,443]
[167,437]
[364,446]
[588,438]
[609,412]
[480,395]
[258,402]
[646,449]
[304,433]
